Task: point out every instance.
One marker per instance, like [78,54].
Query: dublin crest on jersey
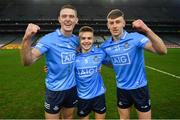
[126,45]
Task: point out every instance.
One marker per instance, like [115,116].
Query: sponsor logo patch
[122,59]
[68,57]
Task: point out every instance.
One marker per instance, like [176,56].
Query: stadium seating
[160,16]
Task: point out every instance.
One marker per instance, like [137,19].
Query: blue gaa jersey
[88,79]
[60,54]
[127,57]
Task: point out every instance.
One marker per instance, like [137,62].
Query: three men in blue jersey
[60,49]
[90,87]
[66,70]
[126,51]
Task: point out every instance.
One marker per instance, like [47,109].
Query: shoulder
[99,52]
[47,37]
[75,39]
[136,35]
[106,43]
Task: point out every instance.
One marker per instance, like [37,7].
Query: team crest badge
[126,45]
[95,58]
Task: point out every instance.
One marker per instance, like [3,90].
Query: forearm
[26,54]
[157,42]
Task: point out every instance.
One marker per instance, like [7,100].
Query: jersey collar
[60,34]
[122,38]
[92,49]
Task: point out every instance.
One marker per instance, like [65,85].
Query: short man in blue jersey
[90,85]
[126,51]
[60,49]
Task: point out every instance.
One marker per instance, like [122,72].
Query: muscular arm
[29,55]
[156,45]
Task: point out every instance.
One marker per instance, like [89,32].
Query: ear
[59,18]
[77,21]
[124,23]
[107,25]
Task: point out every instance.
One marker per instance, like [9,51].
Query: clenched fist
[140,25]
[31,30]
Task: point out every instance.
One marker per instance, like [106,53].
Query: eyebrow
[86,37]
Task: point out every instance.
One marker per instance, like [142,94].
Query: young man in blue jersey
[90,87]
[60,49]
[126,51]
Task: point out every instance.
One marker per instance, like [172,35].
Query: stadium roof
[149,10]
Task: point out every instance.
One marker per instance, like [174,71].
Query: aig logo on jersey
[67,58]
[122,59]
[86,72]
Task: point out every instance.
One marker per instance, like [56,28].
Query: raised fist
[31,30]
[140,26]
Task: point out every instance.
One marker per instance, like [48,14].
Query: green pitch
[22,88]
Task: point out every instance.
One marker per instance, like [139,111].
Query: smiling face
[86,41]
[67,19]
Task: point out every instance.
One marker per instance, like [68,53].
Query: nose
[68,18]
[86,40]
[114,25]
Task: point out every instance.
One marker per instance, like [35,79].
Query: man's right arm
[29,55]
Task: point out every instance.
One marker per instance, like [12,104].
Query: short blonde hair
[86,29]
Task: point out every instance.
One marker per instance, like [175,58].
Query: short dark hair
[86,29]
[69,7]
[115,13]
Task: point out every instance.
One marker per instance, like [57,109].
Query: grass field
[22,88]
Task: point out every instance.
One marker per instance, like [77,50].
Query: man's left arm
[155,45]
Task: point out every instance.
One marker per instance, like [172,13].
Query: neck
[115,38]
[85,51]
[65,33]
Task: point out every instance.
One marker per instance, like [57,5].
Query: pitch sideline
[172,75]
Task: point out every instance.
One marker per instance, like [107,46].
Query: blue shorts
[97,104]
[55,100]
[139,97]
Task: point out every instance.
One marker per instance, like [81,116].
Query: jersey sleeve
[42,45]
[142,40]
[106,59]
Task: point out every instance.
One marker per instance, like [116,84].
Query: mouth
[86,45]
[68,25]
[115,31]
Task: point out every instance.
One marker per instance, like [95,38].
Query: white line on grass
[163,72]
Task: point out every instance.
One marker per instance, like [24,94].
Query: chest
[122,54]
[89,61]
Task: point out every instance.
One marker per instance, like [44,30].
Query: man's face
[116,26]
[67,19]
[86,40]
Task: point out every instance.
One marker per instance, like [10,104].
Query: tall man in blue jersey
[60,49]
[90,87]
[126,51]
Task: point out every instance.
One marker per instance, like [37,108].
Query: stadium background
[22,88]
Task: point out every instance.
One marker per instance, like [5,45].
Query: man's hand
[140,26]
[45,69]
[31,30]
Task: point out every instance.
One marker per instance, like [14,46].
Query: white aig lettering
[85,72]
[122,59]
[68,57]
